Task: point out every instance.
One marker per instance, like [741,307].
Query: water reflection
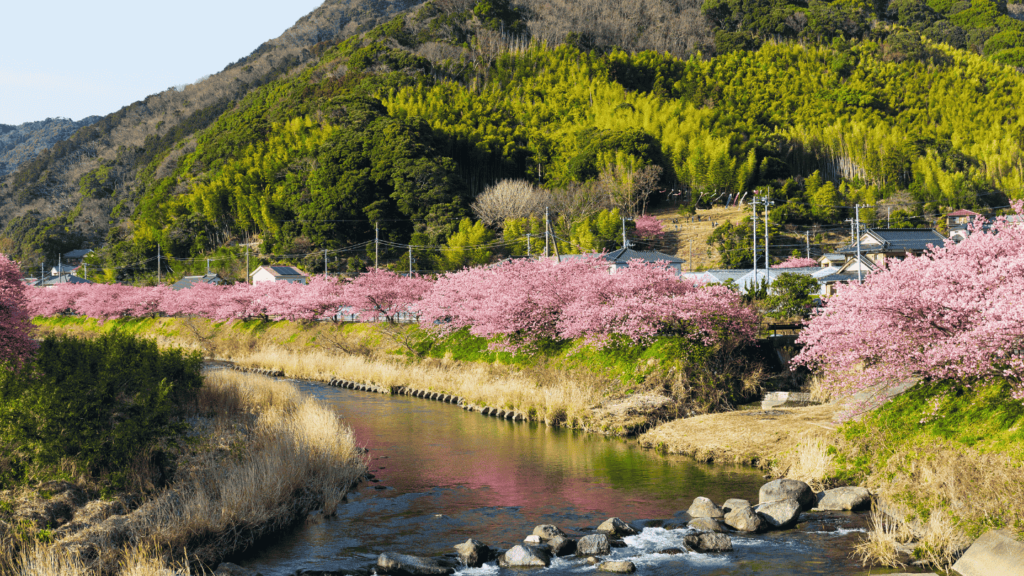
[445,475]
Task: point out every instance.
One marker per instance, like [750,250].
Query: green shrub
[98,403]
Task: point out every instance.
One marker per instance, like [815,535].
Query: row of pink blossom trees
[513,303]
[955,312]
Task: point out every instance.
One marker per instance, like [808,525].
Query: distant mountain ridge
[21,143]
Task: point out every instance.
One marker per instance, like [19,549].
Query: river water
[444,475]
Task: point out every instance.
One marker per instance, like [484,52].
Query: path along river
[445,475]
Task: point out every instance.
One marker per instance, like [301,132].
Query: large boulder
[734,503]
[547,531]
[708,542]
[616,527]
[744,519]
[995,552]
[706,525]
[785,489]
[625,567]
[406,565]
[780,514]
[594,545]
[474,553]
[704,508]
[523,556]
[845,498]
[562,546]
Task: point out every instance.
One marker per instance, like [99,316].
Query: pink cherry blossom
[955,312]
[16,342]
[797,262]
[649,228]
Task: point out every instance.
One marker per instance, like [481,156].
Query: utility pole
[753,204]
[159,277]
[246,262]
[807,238]
[325,262]
[860,265]
[60,265]
[888,216]
[86,270]
[207,266]
[625,243]
[529,250]
[547,234]
[410,260]
[767,260]
[376,245]
[691,255]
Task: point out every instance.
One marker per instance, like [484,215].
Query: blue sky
[76,59]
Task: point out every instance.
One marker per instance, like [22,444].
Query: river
[444,475]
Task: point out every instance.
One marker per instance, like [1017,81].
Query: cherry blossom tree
[955,312]
[649,228]
[797,262]
[383,295]
[16,342]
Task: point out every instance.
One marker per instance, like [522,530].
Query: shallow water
[445,475]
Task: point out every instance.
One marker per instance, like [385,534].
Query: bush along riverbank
[612,390]
[121,457]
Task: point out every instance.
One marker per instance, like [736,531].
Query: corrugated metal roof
[285,270]
[836,278]
[190,281]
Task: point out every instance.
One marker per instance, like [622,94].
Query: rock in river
[704,508]
[784,489]
[593,545]
[781,513]
[706,525]
[734,503]
[229,569]
[616,527]
[745,520]
[474,553]
[845,498]
[523,556]
[547,531]
[708,542]
[405,565]
[562,546]
[626,567]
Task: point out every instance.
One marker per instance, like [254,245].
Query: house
[623,256]
[962,229]
[190,281]
[880,244]
[63,269]
[58,279]
[960,217]
[831,259]
[278,274]
[75,257]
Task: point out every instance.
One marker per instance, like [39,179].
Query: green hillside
[405,124]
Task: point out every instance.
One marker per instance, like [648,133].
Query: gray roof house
[76,256]
[622,257]
[716,276]
[190,281]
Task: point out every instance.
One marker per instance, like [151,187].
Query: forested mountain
[594,104]
[21,143]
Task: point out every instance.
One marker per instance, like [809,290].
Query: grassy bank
[946,462]
[559,383]
[254,455]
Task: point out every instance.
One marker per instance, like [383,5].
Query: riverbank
[257,456]
[613,391]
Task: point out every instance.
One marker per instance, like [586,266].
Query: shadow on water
[444,475]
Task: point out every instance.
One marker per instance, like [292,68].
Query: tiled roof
[962,212]
[624,255]
[898,240]
[80,253]
[190,281]
[836,278]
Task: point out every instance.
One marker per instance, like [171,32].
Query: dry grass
[744,436]
[263,456]
[882,545]
[552,396]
